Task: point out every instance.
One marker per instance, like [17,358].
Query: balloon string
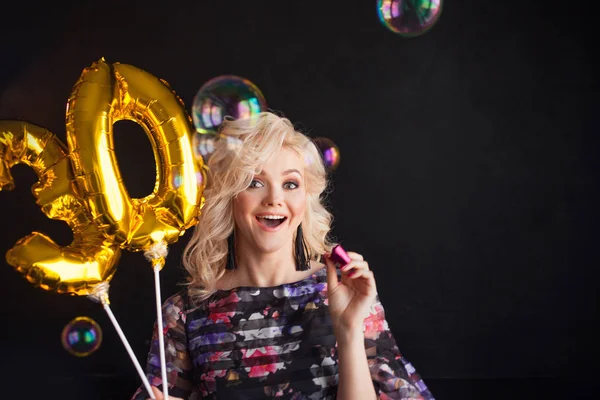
[160,332]
[129,350]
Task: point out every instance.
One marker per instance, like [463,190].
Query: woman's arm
[354,375]
[350,297]
[369,363]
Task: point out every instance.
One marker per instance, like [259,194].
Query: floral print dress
[274,342]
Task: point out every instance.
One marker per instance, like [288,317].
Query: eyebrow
[289,171]
[286,172]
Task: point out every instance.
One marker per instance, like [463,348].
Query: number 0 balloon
[104,95]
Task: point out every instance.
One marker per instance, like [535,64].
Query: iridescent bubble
[409,17]
[199,178]
[329,151]
[82,336]
[226,95]
[203,145]
[233,143]
[178,180]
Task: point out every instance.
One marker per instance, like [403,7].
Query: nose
[273,197]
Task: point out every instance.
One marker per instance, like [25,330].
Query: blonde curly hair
[244,145]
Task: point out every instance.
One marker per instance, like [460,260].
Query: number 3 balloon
[90,258]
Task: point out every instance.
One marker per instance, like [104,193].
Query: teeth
[271,216]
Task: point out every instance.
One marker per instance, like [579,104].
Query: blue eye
[255,184]
[291,185]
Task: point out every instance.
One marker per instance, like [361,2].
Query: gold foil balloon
[91,258]
[104,95]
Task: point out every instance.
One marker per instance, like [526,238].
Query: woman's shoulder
[177,300]
[319,271]
[183,301]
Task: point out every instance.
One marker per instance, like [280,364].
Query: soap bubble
[226,95]
[82,336]
[409,17]
[329,151]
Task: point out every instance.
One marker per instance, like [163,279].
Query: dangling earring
[302,254]
[230,252]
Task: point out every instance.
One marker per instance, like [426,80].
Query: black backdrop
[468,176]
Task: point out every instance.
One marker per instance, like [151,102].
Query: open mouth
[271,221]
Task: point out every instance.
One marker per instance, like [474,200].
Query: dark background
[468,176]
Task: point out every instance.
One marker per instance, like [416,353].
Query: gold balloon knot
[157,251]
[100,293]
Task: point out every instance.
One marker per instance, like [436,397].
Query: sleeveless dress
[270,342]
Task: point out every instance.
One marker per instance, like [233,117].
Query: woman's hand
[350,298]
[159,395]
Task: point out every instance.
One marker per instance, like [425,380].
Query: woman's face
[269,211]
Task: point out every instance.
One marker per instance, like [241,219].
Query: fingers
[357,262]
[354,269]
[332,278]
[360,273]
[364,281]
[355,265]
[352,255]
[358,268]
[355,256]
[157,393]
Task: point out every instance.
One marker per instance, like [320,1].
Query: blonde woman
[261,315]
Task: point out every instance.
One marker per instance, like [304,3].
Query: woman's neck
[265,269]
[261,269]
